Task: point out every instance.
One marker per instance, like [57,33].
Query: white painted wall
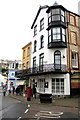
[48,53]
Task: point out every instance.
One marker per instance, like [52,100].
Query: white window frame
[56,85]
[74,59]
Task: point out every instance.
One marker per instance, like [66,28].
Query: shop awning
[20,83]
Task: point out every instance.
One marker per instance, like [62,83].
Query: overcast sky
[16,18]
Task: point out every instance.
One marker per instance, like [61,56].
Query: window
[41,85]
[13,65]
[27,64]
[56,15]
[42,24]
[35,30]
[58,86]
[28,51]
[41,41]
[24,54]
[73,37]
[72,20]
[34,62]
[57,34]
[35,45]
[16,65]
[74,60]
[63,34]
[23,65]
[41,59]
[57,60]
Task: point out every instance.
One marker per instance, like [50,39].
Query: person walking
[34,91]
[4,91]
[13,90]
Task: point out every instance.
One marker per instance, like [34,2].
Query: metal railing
[43,69]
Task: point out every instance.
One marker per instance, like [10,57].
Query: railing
[42,69]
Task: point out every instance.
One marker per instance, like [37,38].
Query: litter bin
[46,98]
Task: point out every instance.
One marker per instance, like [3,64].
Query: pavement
[66,107]
[56,101]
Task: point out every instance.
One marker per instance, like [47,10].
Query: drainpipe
[69,53]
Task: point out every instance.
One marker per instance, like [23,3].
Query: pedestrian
[34,91]
[13,90]
[4,91]
[9,91]
[17,91]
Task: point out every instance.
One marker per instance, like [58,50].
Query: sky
[16,18]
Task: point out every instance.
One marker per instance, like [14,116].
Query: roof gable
[40,8]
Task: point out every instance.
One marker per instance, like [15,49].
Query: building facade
[26,56]
[11,64]
[55,58]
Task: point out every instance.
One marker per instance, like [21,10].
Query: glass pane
[58,30]
[62,18]
[49,32]
[49,19]
[55,11]
[63,38]
[49,39]
[57,62]
[54,31]
[54,37]
[49,14]
[63,31]
[57,56]
[62,12]
[56,17]
[58,36]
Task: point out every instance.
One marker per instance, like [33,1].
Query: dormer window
[56,15]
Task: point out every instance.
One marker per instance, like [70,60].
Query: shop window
[58,86]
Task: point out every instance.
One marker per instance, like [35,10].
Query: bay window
[56,15]
[56,34]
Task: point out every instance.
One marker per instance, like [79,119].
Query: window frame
[28,51]
[51,15]
[51,35]
[41,41]
[42,24]
[35,30]
[58,86]
[34,62]
[35,45]
[75,61]
[41,59]
[58,54]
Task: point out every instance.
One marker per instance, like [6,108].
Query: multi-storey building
[26,56]
[11,64]
[55,58]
